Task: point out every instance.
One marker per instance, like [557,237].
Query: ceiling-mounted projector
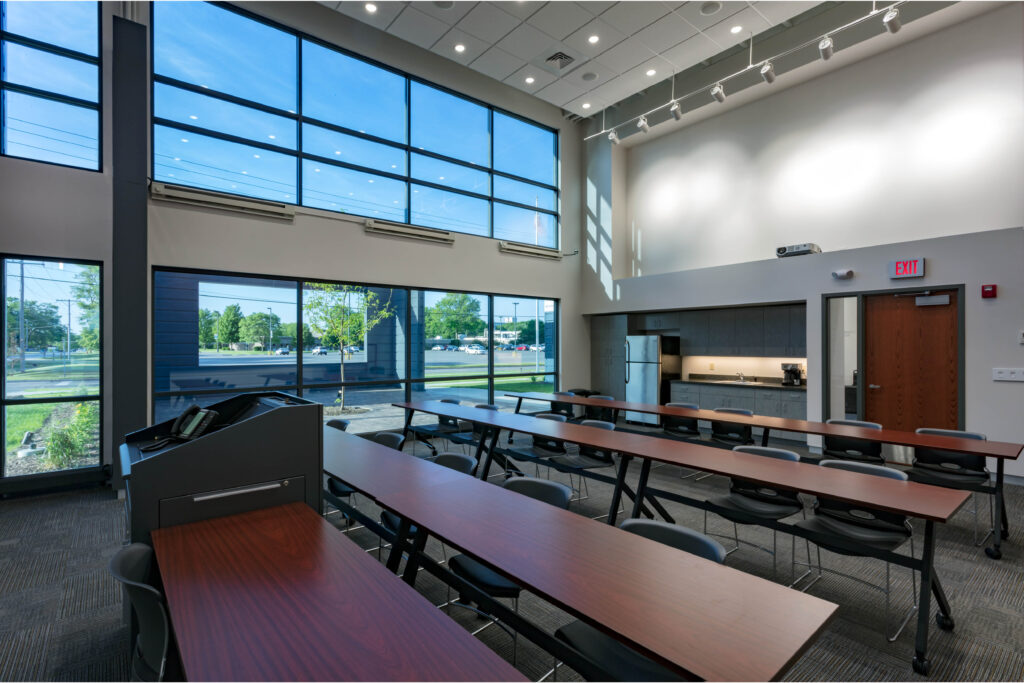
[798,250]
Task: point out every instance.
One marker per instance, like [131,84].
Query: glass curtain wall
[354,348]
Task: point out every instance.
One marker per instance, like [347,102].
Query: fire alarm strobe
[798,250]
[988,291]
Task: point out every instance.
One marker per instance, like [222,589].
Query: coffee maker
[792,374]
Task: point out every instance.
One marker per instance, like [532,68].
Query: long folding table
[920,501]
[999,450]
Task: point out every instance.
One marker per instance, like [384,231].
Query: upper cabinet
[750,331]
[693,333]
[722,332]
[770,331]
[798,331]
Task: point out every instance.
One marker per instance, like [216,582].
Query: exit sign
[913,267]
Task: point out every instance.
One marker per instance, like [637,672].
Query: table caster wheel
[921,666]
[945,622]
[994,553]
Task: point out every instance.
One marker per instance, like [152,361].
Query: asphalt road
[528,360]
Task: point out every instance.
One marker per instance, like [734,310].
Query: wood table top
[278,594]
[691,614]
[990,449]
[902,497]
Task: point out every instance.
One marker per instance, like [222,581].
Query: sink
[738,381]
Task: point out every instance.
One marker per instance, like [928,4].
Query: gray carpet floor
[60,612]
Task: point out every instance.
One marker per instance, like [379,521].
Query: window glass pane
[201,161]
[43,357]
[453,175]
[449,211]
[222,332]
[367,322]
[223,117]
[449,125]
[367,408]
[71,25]
[169,407]
[544,384]
[524,149]
[348,148]
[215,48]
[523,225]
[454,337]
[525,336]
[352,93]
[45,130]
[524,193]
[50,437]
[47,71]
[340,189]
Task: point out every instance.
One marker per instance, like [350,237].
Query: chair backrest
[446,421]
[857,515]
[582,392]
[937,458]
[681,425]
[544,442]
[678,537]
[456,461]
[132,566]
[338,424]
[560,408]
[544,490]
[476,428]
[596,413]
[766,494]
[597,453]
[847,448]
[730,431]
[389,439]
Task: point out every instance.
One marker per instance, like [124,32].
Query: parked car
[281,352]
[438,348]
[506,347]
[319,351]
[536,347]
[463,348]
[522,347]
[476,350]
[353,349]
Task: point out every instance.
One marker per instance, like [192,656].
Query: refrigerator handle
[627,361]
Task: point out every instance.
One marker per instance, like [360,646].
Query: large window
[234,112]
[355,348]
[50,401]
[50,82]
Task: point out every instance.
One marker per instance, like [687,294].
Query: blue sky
[46,282]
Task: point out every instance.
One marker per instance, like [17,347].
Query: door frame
[825,341]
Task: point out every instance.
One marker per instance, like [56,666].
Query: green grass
[24,418]
[501,385]
[82,366]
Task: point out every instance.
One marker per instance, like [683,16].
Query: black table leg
[944,617]
[764,436]
[408,422]
[519,405]
[485,464]
[641,488]
[920,662]
[1003,528]
[620,480]
[397,547]
[412,565]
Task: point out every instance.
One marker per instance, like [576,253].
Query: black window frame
[97,61]
[300,155]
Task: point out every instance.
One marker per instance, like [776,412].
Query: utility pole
[67,356]
[515,321]
[21,312]
[270,327]
[536,335]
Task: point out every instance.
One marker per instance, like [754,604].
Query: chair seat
[391,522]
[681,431]
[853,455]
[462,437]
[531,453]
[487,580]
[438,429]
[954,479]
[751,507]
[335,487]
[617,661]
[580,462]
[875,538]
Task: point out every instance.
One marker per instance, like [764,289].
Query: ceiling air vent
[560,60]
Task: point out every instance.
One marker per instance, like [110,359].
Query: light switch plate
[1008,374]
[1020,336]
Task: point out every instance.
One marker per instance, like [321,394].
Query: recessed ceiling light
[317,170]
[529,80]
[177,158]
[459,47]
[370,181]
[255,156]
[586,105]
[193,117]
[272,137]
[593,39]
[651,72]
[736,29]
[184,139]
[440,177]
[337,151]
[709,8]
[371,8]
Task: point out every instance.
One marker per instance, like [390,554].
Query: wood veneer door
[911,362]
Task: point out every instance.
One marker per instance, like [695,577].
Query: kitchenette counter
[767,397]
[769,383]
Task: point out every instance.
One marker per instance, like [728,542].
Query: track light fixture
[768,72]
[676,110]
[613,137]
[891,20]
[718,92]
[826,47]
[643,125]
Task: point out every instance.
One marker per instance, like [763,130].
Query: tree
[208,328]
[228,324]
[291,330]
[87,296]
[260,327]
[43,326]
[453,316]
[343,315]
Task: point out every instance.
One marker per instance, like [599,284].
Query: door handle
[874,386]
[627,362]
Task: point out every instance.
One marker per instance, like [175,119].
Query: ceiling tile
[333,4]
[445,46]
[497,63]
[417,28]
[691,12]
[665,32]
[523,10]
[691,51]
[608,38]
[450,15]
[778,12]
[595,7]
[625,55]
[638,75]
[614,90]
[526,42]
[540,77]
[560,92]
[596,105]
[630,17]
[487,22]
[559,19]
[749,22]
[601,74]
[385,14]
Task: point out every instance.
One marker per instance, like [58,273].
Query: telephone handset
[192,422]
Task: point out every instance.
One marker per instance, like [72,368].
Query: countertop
[761,383]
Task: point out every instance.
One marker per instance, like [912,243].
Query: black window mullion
[47,95]
[228,137]
[299,193]
[490,351]
[299,337]
[408,151]
[47,47]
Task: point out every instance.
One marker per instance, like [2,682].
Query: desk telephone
[192,423]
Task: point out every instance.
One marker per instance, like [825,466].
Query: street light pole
[270,328]
[21,312]
[67,356]
[515,320]
[536,335]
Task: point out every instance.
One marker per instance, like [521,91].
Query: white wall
[924,140]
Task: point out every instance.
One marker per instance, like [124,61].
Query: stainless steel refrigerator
[643,374]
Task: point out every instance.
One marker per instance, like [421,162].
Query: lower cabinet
[786,403]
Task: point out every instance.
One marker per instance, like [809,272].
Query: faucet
[740,375]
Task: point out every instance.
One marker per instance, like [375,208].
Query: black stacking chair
[868,526]
[585,393]
[445,425]
[954,470]
[338,423]
[132,566]
[595,413]
[586,458]
[488,580]
[335,487]
[560,408]
[542,447]
[470,433]
[389,439]
[747,499]
[858,450]
[617,661]
[731,433]
[684,428]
